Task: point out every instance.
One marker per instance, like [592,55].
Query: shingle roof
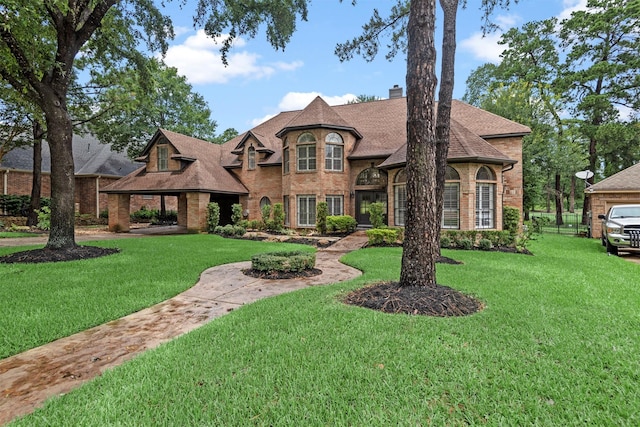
[627,180]
[464,146]
[381,126]
[90,158]
[203,171]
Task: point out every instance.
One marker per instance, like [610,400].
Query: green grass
[556,345]
[43,302]
[15,234]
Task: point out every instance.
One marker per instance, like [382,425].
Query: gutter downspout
[98,196]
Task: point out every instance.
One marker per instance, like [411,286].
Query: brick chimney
[395,92]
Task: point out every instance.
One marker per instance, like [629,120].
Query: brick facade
[602,202]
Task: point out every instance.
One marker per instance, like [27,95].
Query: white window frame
[335,204]
[251,158]
[485,205]
[307,161]
[286,155]
[306,208]
[451,206]
[163,158]
[333,157]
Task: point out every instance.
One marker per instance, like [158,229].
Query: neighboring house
[348,155]
[95,167]
[619,189]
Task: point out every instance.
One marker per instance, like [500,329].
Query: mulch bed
[438,300]
[281,275]
[57,255]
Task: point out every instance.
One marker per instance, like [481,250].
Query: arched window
[333,152]
[264,202]
[306,152]
[400,198]
[451,199]
[251,158]
[372,176]
[485,198]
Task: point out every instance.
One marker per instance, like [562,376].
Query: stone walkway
[28,379]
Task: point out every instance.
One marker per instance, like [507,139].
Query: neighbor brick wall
[19,183]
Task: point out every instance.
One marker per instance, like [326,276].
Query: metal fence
[571,223]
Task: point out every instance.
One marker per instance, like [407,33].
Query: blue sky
[260,82]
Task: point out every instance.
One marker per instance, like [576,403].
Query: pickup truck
[621,228]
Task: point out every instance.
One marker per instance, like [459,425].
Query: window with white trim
[163,158]
[306,152]
[451,199]
[485,198]
[335,205]
[306,211]
[400,198]
[333,152]
[285,207]
[285,160]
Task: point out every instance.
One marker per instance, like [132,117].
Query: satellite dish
[584,174]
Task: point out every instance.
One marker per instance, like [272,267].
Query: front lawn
[557,344]
[40,303]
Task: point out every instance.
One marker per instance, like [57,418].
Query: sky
[260,82]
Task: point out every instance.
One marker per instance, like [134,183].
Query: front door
[364,200]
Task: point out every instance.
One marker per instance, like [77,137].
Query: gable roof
[202,171]
[627,180]
[318,114]
[90,158]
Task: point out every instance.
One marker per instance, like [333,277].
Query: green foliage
[278,217]
[445,242]
[341,224]
[266,214]
[15,205]
[213,216]
[292,261]
[322,211]
[230,230]
[376,214]
[253,224]
[466,244]
[380,236]
[44,218]
[104,214]
[485,245]
[236,213]
[510,219]
[145,215]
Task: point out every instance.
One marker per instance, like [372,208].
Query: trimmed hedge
[292,261]
[341,224]
[379,236]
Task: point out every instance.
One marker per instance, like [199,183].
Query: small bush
[265,211]
[236,213]
[322,211]
[278,217]
[485,244]
[445,242]
[213,216]
[341,224]
[376,214]
[293,261]
[144,215]
[379,236]
[252,224]
[465,244]
[230,230]
[510,219]
[104,214]
[44,218]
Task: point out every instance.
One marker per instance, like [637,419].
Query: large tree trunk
[445,96]
[59,135]
[558,200]
[36,178]
[420,249]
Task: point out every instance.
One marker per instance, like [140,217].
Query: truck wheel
[613,250]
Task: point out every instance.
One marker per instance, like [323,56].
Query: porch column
[196,212]
[119,213]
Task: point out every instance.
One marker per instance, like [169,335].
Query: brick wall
[600,204]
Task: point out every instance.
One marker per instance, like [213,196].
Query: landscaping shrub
[236,213]
[265,211]
[341,224]
[379,236]
[445,242]
[376,214]
[168,217]
[14,205]
[144,215]
[485,244]
[44,218]
[104,214]
[322,211]
[213,216]
[465,244]
[292,261]
[252,224]
[278,217]
[510,219]
[230,230]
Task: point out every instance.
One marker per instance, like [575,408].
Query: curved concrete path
[28,379]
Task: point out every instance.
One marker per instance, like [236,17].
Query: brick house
[619,189]
[348,155]
[96,166]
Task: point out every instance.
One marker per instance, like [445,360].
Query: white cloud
[198,58]
[571,6]
[299,100]
[485,48]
